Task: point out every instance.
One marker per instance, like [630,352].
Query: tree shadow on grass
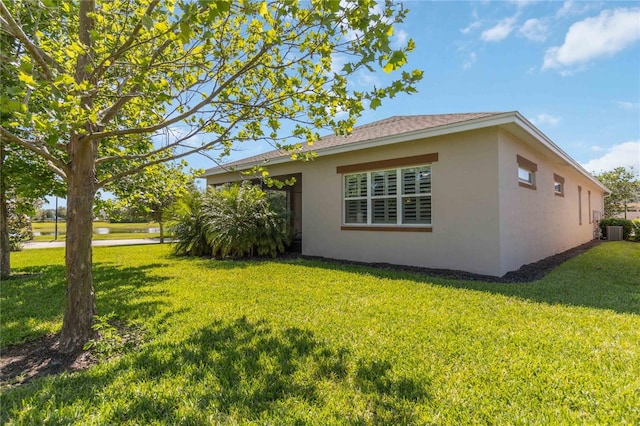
[590,280]
[41,297]
[228,372]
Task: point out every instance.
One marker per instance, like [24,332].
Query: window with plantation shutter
[355,198]
[398,197]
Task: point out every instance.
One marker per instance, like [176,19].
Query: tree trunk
[5,246]
[80,298]
[161,231]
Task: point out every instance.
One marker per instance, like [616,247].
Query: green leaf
[223,6]
[147,22]
[27,79]
[375,103]
[161,26]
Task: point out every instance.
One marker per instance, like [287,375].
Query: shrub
[635,223]
[626,226]
[188,226]
[242,220]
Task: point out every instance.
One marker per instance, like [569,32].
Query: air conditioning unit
[614,233]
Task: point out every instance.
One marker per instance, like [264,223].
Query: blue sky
[571,68]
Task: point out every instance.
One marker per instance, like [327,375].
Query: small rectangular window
[526,172]
[558,185]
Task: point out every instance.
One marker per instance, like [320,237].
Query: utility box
[614,233]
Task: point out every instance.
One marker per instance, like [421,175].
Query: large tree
[107,75]
[625,188]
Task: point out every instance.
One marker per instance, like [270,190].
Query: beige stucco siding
[464,201]
[538,223]
[483,220]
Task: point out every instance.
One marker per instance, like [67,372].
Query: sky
[571,68]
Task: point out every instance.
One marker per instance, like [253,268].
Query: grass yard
[117,231]
[308,342]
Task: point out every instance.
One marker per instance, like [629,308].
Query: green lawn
[117,231]
[308,342]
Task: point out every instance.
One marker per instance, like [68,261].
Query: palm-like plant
[188,226]
[242,221]
[230,221]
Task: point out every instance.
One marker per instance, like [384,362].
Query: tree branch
[53,163]
[186,114]
[13,28]
[112,111]
[97,73]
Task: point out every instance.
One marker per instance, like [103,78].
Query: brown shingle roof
[395,125]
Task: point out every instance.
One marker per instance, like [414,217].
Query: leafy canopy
[172,69]
[625,188]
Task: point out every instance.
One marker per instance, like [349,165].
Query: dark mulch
[38,358]
[22,363]
[526,273]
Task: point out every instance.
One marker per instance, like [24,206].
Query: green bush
[189,227]
[231,221]
[635,223]
[626,224]
[243,220]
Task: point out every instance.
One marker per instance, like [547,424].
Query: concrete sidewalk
[94,243]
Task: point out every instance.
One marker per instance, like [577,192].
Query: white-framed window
[395,197]
[526,172]
[558,185]
[525,176]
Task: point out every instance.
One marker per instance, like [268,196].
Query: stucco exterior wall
[483,221]
[537,223]
[465,232]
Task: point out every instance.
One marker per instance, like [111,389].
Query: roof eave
[477,123]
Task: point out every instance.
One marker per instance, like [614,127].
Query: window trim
[394,163]
[530,167]
[557,179]
[397,164]
[579,205]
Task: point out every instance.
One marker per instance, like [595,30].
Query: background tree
[151,192]
[625,189]
[104,76]
[24,177]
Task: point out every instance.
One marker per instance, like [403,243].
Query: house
[481,192]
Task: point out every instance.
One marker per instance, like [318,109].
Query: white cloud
[545,118]
[500,31]
[534,30]
[337,62]
[399,39]
[367,79]
[523,3]
[596,148]
[566,8]
[591,38]
[628,105]
[626,154]
[470,61]
[472,26]
[575,8]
